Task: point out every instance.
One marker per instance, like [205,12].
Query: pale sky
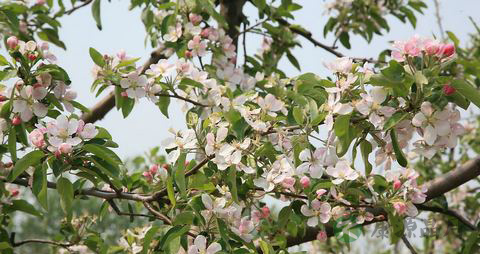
[146,127]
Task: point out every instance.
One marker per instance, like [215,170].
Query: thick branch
[449,213]
[106,104]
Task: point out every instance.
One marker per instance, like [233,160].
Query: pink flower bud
[32,57]
[165,166]
[12,42]
[265,212]
[154,169]
[288,182]
[400,207]
[447,50]
[194,18]
[121,54]
[205,32]
[397,184]
[305,181]
[322,236]
[37,139]
[320,192]
[188,54]
[16,120]
[124,94]
[41,2]
[148,175]
[432,48]
[14,192]
[3,98]
[448,89]
[65,148]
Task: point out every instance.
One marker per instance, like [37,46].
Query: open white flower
[61,132]
[185,139]
[342,171]
[135,85]
[174,32]
[370,105]
[340,65]
[433,122]
[319,211]
[200,246]
[271,105]
[26,105]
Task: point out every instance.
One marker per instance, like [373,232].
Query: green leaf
[3,61]
[127,62]
[191,82]
[223,229]
[12,143]
[39,186]
[459,100]
[396,227]
[127,106]
[65,190]
[394,120]
[21,205]
[28,160]
[147,239]
[398,151]
[184,218]
[284,216]
[298,115]
[170,191]
[180,174]
[467,90]
[104,153]
[96,13]
[366,149]
[293,60]
[232,182]
[171,234]
[341,125]
[96,56]
[163,103]
[345,40]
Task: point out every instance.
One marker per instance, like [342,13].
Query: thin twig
[182,98]
[409,246]
[439,19]
[87,2]
[449,213]
[157,214]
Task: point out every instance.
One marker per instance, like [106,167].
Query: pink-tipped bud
[121,54]
[288,182]
[3,98]
[12,42]
[41,2]
[65,148]
[448,89]
[400,208]
[16,120]
[148,175]
[188,54]
[195,18]
[320,192]
[447,49]
[165,166]
[265,212]
[32,57]
[322,236]
[205,32]
[305,181]
[14,192]
[154,169]
[397,184]
[124,94]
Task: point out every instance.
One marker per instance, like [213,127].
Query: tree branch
[408,244]
[449,213]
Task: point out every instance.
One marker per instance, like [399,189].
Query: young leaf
[21,205]
[398,151]
[65,190]
[104,153]
[39,186]
[147,239]
[96,13]
[97,57]
[394,120]
[180,174]
[28,160]
[366,149]
[467,90]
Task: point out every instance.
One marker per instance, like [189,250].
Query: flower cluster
[418,47]
[62,135]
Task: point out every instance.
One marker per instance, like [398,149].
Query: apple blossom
[174,33]
[433,122]
[185,139]
[200,246]
[342,65]
[244,229]
[448,89]
[26,105]
[16,121]
[342,171]
[305,181]
[319,211]
[135,85]
[37,138]
[162,68]
[322,236]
